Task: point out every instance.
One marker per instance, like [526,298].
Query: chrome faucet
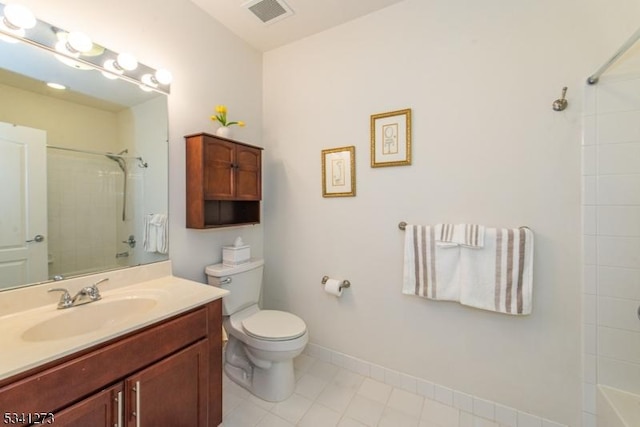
[65,298]
[84,296]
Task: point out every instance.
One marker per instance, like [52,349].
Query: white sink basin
[88,318]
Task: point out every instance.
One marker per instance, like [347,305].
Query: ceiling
[309,17]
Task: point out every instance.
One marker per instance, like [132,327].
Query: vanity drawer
[60,385]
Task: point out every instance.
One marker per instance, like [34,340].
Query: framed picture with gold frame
[339,172]
[391,138]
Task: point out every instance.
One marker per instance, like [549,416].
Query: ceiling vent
[268,11]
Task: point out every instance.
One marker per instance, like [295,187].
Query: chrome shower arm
[593,79]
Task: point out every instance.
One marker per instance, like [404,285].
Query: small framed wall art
[339,172]
[391,138]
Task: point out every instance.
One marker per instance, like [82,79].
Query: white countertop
[173,296]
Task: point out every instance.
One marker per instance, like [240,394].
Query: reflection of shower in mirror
[122,163]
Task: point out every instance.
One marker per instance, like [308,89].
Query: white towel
[470,235]
[156,233]
[430,271]
[499,276]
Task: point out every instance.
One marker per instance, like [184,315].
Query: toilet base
[274,384]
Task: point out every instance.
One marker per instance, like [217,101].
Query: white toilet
[262,343]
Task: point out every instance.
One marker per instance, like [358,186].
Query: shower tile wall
[82,206]
[611,213]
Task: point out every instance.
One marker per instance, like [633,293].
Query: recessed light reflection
[56,86]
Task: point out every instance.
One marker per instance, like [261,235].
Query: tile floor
[327,395]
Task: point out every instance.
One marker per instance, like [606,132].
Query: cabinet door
[219,158]
[172,392]
[103,409]
[248,173]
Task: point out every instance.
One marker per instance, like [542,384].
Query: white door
[23,205]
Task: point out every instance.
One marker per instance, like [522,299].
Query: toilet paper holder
[344,284]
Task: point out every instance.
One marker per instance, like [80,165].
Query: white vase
[224,132]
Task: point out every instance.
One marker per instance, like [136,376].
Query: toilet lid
[274,325]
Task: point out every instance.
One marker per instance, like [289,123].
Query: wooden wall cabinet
[224,182]
[169,374]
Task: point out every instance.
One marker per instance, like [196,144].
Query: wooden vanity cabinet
[171,392]
[167,374]
[224,182]
[103,409]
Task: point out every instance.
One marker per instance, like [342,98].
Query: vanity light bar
[42,34]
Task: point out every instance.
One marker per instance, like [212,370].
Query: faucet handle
[94,292]
[65,299]
[100,281]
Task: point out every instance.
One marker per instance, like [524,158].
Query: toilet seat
[274,325]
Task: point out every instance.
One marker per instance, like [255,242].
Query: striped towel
[430,270]
[471,235]
[499,277]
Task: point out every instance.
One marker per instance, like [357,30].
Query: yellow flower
[221,117]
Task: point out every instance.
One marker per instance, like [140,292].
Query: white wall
[611,183]
[66,123]
[210,66]
[487,148]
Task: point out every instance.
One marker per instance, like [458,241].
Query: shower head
[119,160]
[114,156]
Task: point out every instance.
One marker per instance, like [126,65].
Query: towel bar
[344,284]
[403,225]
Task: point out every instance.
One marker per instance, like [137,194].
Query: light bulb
[20,32]
[67,52]
[18,16]
[109,75]
[149,80]
[112,66]
[63,48]
[78,42]
[127,61]
[164,76]
[145,88]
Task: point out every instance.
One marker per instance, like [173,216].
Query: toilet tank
[243,281]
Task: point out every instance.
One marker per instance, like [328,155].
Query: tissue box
[234,255]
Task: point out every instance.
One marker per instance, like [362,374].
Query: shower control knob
[38,238]
[561,104]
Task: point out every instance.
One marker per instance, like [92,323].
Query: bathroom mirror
[83,171]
